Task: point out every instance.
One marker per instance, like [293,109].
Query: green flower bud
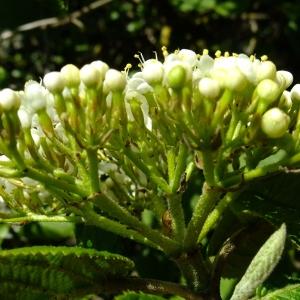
[265,70]
[114,81]
[209,88]
[90,76]
[274,123]
[54,82]
[71,76]
[268,90]
[9,100]
[176,77]
[295,93]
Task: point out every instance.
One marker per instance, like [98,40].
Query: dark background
[118,29]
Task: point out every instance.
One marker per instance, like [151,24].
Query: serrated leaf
[275,199]
[138,296]
[43,272]
[289,292]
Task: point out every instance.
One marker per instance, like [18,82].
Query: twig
[55,21]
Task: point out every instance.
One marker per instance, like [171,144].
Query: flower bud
[114,80]
[188,56]
[71,75]
[176,77]
[284,78]
[90,76]
[25,118]
[101,66]
[9,100]
[153,71]
[265,70]
[295,93]
[268,90]
[209,88]
[275,123]
[36,96]
[234,80]
[54,82]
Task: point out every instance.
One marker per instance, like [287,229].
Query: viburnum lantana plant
[101,147]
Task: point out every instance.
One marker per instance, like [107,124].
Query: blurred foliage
[118,29]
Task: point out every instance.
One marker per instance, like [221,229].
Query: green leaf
[261,266]
[287,293]
[43,272]
[275,199]
[138,296]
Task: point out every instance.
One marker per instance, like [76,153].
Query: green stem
[117,211]
[41,218]
[179,169]
[155,179]
[216,214]
[92,218]
[193,269]
[58,184]
[202,209]
[208,167]
[93,170]
[177,216]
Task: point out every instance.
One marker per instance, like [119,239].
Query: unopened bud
[176,77]
[101,66]
[9,100]
[36,95]
[153,71]
[265,70]
[295,93]
[54,82]
[284,78]
[268,90]
[114,80]
[90,76]
[235,80]
[275,123]
[209,88]
[71,75]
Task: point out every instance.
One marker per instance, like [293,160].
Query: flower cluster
[134,135]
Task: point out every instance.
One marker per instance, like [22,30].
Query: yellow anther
[235,54]
[226,54]
[164,51]
[218,53]
[264,58]
[205,52]
[252,57]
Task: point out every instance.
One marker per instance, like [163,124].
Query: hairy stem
[202,209]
